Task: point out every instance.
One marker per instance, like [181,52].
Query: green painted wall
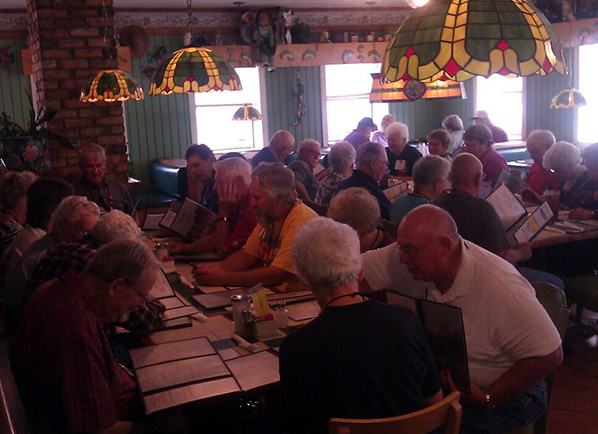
[281,88]
[14,85]
[159,126]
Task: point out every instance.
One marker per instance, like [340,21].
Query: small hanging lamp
[568,98]
[110,85]
[247,112]
[193,69]
[460,39]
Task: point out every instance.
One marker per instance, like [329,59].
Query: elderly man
[512,343]
[480,117]
[107,193]
[236,216]
[361,134]
[281,145]
[200,165]
[266,257]
[303,168]
[73,218]
[372,358]
[539,178]
[478,141]
[454,125]
[342,159]
[112,226]
[372,162]
[61,350]
[401,156]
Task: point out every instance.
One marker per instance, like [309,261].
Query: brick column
[68,47]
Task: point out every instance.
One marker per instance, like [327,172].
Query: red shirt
[60,347]
[242,221]
[540,179]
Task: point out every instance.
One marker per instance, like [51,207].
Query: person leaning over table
[587,202]
[357,208]
[61,352]
[401,156]
[282,143]
[200,164]
[430,180]
[303,168]
[236,216]
[478,141]
[512,343]
[539,178]
[359,358]
[342,160]
[266,257]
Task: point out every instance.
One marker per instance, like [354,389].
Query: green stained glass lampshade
[111,85]
[247,113]
[568,98]
[194,69]
[459,39]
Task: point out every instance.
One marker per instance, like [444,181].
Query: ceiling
[290,4]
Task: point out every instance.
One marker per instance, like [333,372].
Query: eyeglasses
[144,297]
[411,252]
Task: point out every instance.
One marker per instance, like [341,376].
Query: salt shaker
[240,302]
[282,315]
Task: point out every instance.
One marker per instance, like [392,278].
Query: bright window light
[214,113]
[586,116]
[502,98]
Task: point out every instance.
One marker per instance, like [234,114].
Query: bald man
[303,168]
[512,343]
[281,145]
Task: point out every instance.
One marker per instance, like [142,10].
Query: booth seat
[169,182]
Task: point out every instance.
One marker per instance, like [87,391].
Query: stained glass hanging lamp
[193,69]
[110,85]
[412,90]
[459,39]
[247,112]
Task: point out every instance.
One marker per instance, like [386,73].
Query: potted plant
[27,148]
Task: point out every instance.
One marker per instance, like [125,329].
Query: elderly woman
[342,160]
[454,125]
[13,205]
[359,209]
[354,345]
[438,143]
[564,159]
[430,178]
[401,156]
[586,200]
[380,136]
[478,141]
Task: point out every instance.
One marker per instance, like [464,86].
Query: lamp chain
[189,12]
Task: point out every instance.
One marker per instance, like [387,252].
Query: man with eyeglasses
[303,168]
[372,162]
[512,343]
[60,349]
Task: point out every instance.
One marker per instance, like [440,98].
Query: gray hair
[326,253]
[368,152]
[125,259]
[341,156]
[430,168]
[306,142]
[356,207]
[71,209]
[397,128]
[277,180]
[544,138]
[13,189]
[562,155]
[386,121]
[453,123]
[113,226]
[91,151]
[235,167]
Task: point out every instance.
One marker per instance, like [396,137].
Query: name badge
[401,165]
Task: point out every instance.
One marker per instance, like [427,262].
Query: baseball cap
[480,114]
[365,123]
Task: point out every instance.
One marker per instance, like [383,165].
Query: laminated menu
[189,219]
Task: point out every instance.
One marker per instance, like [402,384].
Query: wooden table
[549,238]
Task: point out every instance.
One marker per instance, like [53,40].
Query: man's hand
[529,195]
[176,248]
[525,250]
[209,274]
[228,195]
[581,214]
[476,396]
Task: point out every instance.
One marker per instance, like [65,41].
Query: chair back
[445,414]
[390,228]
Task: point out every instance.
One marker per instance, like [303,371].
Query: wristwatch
[488,399]
[222,219]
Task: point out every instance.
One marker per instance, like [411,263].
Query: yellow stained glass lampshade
[247,113]
[568,98]
[460,39]
[411,90]
[111,85]
[194,69]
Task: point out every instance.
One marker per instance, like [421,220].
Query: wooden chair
[445,414]
[554,302]
[390,228]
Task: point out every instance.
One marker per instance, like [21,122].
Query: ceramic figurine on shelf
[287,17]
[247,32]
[264,35]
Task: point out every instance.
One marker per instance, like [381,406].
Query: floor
[574,400]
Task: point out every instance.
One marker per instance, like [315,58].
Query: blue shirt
[363,180]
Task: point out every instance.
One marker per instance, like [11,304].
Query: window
[586,116]
[347,98]
[502,98]
[214,113]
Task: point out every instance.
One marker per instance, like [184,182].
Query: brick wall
[70,42]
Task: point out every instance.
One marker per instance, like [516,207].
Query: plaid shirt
[60,347]
[74,256]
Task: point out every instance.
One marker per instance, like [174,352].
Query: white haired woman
[564,159]
[586,202]
[342,161]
